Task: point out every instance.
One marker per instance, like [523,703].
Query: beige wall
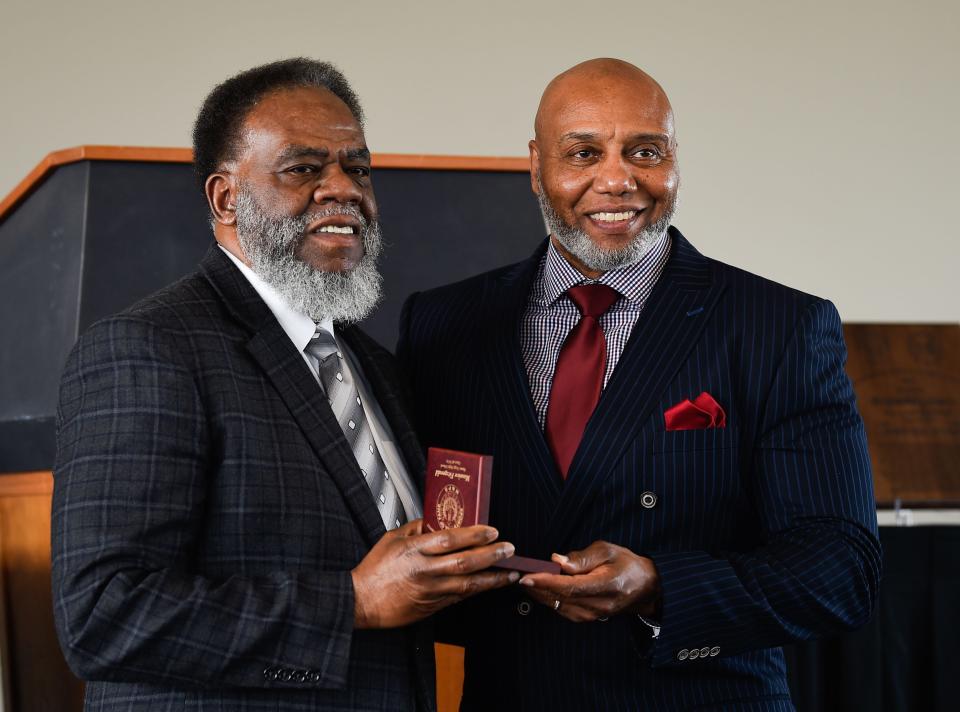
[818,139]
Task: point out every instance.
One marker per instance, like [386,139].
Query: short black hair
[216,133]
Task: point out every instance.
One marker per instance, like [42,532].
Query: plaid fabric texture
[207,512]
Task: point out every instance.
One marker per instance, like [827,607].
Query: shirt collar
[295,324]
[634,281]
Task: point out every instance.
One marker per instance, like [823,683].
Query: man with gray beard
[270,244]
[682,430]
[236,518]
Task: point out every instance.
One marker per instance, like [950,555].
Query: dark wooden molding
[184,155]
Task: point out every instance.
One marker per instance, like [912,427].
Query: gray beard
[271,245]
[578,243]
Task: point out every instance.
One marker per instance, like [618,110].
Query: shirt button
[648,500]
[523,608]
[683,654]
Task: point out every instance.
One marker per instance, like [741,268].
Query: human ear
[222,197]
[534,166]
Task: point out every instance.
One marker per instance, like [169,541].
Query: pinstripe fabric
[763,532]
[207,511]
[550,316]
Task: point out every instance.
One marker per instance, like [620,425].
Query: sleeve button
[523,608]
[683,654]
[714,651]
[694,654]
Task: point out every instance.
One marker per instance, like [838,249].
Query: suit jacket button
[683,655]
[285,675]
[523,608]
[714,651]
[648,500]
[267,673]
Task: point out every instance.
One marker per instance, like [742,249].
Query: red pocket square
[698,414]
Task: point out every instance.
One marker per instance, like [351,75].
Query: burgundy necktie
[578,377]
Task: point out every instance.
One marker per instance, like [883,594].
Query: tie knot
[593,299]
[322,344]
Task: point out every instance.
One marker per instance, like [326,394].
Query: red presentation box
[457,494]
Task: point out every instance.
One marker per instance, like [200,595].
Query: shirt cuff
[654,626]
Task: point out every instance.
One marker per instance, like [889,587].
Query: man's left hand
[598,582]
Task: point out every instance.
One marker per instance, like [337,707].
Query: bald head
[603,164]
[602,78]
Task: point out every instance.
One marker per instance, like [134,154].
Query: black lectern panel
[146,227]
[99,235]
[40,258]
[444,226]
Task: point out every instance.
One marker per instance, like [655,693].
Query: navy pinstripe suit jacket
[207,511]
[763,532]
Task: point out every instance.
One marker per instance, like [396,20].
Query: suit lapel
[670,325]
[285,369]
[509,386]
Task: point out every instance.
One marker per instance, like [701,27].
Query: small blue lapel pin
[694,312]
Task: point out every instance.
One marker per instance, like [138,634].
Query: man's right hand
[409,575]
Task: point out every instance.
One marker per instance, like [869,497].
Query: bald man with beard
[677,433]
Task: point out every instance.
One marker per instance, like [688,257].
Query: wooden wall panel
[39,680]
[907,380]
[449,677]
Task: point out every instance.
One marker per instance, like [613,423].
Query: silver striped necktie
[348,408]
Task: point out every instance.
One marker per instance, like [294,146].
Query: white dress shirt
[300,328]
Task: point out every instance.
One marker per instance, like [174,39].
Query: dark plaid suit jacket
[763,532]
[207,511]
